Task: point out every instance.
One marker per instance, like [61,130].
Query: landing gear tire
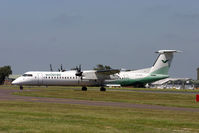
[84,88]
[102,89]
[21,87]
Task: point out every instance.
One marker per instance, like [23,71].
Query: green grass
[30,117]
[97,88]
[176,100]
[22,117]
[156,89]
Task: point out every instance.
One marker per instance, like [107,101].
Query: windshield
[27,75]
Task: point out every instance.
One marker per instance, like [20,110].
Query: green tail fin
[163,62]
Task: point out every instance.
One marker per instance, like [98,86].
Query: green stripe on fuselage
[163,70]
[143,81]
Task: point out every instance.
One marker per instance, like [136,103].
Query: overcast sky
[120,33]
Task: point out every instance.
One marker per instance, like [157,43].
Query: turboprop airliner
[101,78]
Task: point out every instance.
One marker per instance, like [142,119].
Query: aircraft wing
[108,72]
[99,74]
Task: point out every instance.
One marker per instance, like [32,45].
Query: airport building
[174,83]
[196,84]
[198,74]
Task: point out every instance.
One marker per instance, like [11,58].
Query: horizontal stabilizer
[168,51]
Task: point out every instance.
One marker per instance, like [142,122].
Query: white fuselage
[67,78]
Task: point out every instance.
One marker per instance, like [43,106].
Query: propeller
[61,69]
[79,71]
[51,69]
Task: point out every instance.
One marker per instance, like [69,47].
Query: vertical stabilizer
[162,64]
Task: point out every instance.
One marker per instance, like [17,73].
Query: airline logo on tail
[165,61]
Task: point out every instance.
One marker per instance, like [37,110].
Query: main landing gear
[84,88]
[21,87]
[102,89]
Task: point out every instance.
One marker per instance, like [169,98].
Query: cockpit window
[27,75]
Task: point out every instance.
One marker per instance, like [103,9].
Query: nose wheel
[84,88]
[21,87]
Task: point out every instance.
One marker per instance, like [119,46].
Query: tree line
[102,67]
[4,72]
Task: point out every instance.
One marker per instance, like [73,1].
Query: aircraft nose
[16,82]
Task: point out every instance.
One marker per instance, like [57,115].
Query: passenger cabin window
[27,75]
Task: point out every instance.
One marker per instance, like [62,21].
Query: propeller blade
[80,68]
[61,67]
[51,69]
[79,71]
